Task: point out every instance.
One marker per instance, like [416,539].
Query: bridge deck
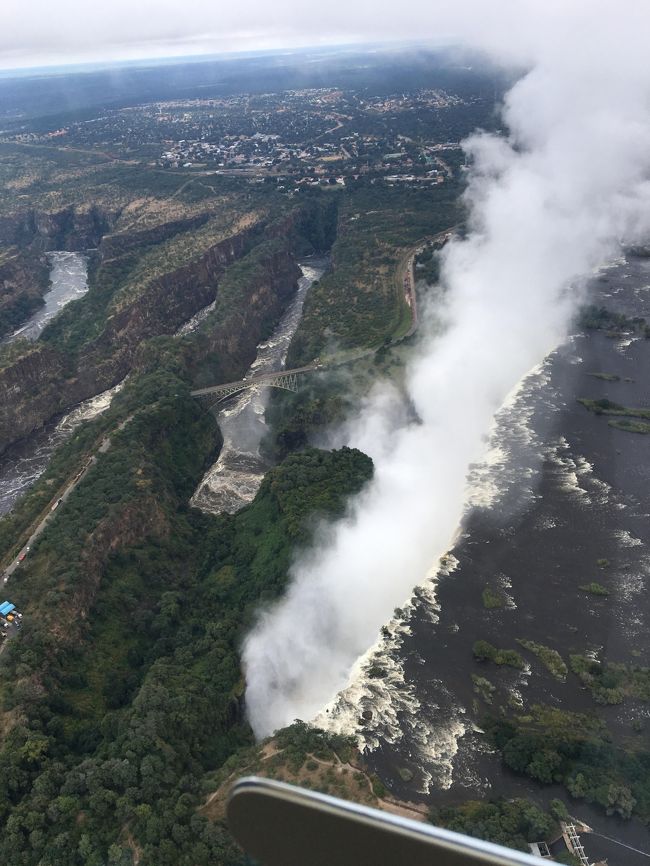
[254,380]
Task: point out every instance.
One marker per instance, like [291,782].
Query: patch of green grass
[550,658]
[631,426]
[594,588]
[606,377]
[493,598]
[484,651]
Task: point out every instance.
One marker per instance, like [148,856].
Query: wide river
[562,499]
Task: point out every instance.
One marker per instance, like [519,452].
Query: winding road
[405,274]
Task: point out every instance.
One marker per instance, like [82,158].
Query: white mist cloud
[547,205]
[37,32]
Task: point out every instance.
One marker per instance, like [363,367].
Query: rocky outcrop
[30,392]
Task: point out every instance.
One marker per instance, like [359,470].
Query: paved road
[405,275]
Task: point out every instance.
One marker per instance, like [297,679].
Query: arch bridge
[287,380]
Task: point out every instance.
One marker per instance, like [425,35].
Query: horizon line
[87,66]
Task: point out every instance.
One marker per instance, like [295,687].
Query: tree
[577,785]
[559,810]
[620,801]
[544,765]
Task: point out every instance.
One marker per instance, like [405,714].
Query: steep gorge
[48,378]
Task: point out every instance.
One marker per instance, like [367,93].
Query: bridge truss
[286,381]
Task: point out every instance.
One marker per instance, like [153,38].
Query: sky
[43,33]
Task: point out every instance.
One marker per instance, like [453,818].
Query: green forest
[125,688]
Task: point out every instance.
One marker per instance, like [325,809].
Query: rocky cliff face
[43,383]
[23,282]
[71,228]
[113,245]
[30,390]
[228,346]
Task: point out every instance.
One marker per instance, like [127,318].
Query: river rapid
[68,281]
[235,478]
[558,491]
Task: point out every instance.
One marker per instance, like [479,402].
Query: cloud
[517,30]
[547,205]
[38,32]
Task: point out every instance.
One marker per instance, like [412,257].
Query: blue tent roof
[6,607]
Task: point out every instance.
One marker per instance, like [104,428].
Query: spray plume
[546,205]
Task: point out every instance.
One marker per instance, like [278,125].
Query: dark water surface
[560,490]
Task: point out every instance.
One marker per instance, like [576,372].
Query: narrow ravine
[236,476]
[23,463]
